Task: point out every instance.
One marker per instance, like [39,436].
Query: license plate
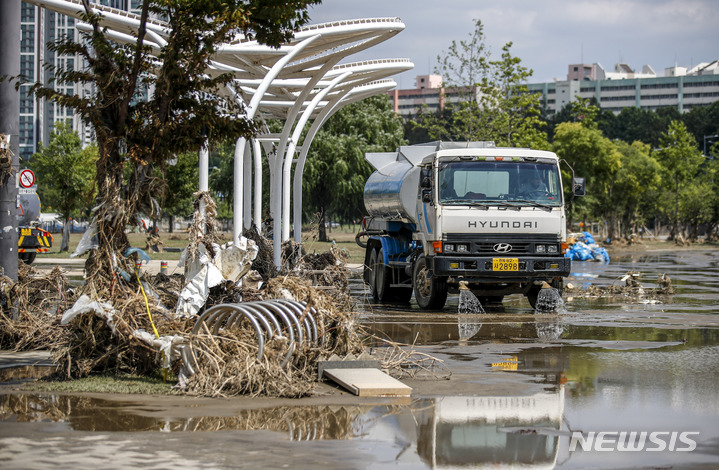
[505,264]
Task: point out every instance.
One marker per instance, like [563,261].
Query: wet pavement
[512,389]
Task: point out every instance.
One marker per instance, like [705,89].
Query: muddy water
[519,384]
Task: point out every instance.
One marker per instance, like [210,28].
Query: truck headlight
[448,247]
[552,249]
[541,249]
[462,249]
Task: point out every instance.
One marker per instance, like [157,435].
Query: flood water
[512,387]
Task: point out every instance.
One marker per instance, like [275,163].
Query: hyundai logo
[502,247]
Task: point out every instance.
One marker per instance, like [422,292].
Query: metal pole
[10,126]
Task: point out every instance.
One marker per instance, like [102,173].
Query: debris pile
[29,308]
[629,285]
[584,248]
[147,323]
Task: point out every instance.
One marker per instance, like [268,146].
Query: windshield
[501,182]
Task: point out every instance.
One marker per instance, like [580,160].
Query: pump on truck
[445,212]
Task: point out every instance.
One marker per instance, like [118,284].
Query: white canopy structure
[298,83]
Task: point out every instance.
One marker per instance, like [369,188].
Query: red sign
[27,178]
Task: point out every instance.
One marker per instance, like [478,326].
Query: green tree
[485,99]
[65,173]
[336,171]
[596,158]
[635,186]
[511,111]
[179,115]
[680,159]
[180,185]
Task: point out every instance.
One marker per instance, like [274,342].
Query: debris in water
[548,299]
[468,302]
[632,288]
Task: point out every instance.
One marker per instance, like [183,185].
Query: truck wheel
[372,273]
[532,296]
[383,279]
[430,291]
[27,258]
[533,293]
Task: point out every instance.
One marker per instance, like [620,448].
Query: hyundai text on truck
[445,212]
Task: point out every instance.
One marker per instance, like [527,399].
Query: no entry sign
[27,178]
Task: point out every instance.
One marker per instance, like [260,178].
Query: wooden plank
[368,382]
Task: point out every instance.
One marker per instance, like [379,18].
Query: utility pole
[9,126]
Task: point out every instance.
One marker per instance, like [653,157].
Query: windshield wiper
[464,202]
[533,203]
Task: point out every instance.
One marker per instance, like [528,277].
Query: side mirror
[426,183]
[427,196]
[578,186]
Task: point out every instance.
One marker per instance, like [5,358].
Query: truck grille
[506,245]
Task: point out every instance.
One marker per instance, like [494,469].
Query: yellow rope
[147,304]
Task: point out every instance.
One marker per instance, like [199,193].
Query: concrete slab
[368,382]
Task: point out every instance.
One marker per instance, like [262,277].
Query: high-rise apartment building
[38,117]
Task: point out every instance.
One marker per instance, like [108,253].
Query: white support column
[327,111]
[204,183]
[281,209]
[238,172]
[247,187]
[257,151]
[287,168]
[240,146]
[204,167]
[332,107]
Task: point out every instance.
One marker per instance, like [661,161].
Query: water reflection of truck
[31,239]
[491,432]
[446,212]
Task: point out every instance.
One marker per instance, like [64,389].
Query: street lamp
[709,138]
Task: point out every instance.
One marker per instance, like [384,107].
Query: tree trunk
[322,230]
[65,242]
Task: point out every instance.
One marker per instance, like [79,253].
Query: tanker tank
[391,192]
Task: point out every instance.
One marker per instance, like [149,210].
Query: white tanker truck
[445,212]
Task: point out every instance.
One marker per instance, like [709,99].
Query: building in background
[429,91]
[680,87]
[37,116]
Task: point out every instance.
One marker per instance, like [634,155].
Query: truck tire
[430,291]
[372,273]
[27,258]
[381,277]
[533,293]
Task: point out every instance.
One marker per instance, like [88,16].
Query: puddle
[12,375]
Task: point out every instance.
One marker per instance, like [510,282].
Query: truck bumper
[480,269]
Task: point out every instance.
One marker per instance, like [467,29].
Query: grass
[344,238]
[129,384]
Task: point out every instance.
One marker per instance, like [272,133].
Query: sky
[547,35]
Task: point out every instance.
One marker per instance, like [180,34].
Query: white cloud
[548,34]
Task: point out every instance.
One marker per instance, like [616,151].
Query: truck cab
[493,218]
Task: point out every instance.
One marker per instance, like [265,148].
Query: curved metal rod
[291,346]
[305,315]
[266,318]
[214,316]
[280,329]
[249,311]
[273,306]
